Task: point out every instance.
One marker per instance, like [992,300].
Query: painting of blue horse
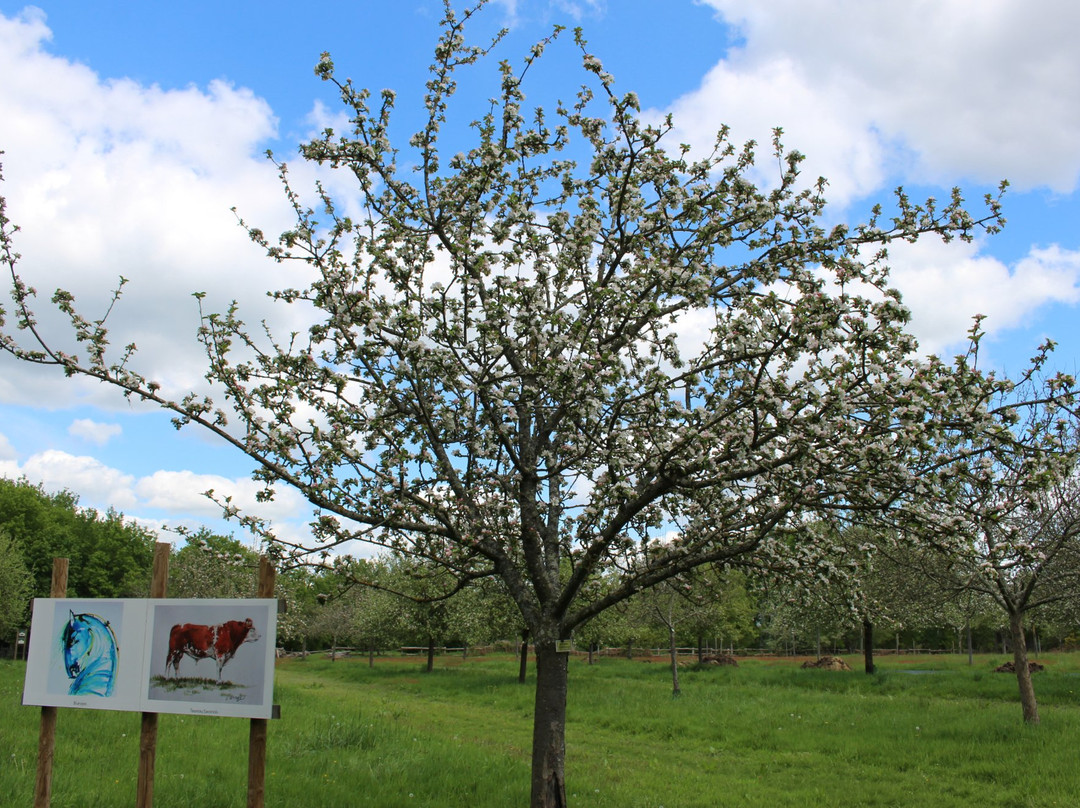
[90,654]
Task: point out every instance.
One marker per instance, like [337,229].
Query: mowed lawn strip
[927,730]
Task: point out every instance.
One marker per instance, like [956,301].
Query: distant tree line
[375,605]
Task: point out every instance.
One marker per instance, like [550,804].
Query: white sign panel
[194,657]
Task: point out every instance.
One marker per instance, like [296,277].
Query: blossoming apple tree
[1001,514]
[569,350]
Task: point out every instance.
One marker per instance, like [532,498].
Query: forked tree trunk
[868,645]
[549,728]
[1023,672]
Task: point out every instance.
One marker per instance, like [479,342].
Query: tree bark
[549,727]
[523,667]
[1023,672]
[674,662]
[868,645]
[430,654]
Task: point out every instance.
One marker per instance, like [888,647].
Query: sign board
[157,655]
[564,646]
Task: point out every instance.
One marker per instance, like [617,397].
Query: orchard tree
[672,605]
[213,566]
[567,350]
[870,581]
[1007,520]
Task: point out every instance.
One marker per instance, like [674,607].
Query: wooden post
[47,738]
[144,788]
[256,793]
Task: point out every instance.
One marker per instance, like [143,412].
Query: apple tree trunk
[549,727]
[1023,672]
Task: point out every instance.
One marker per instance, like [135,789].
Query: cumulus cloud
[94,432]
[179,495]
[946,285]
[926,91]
[7,451]
[109,178]
[86,476]
[184,491]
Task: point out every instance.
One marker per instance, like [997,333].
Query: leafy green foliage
[15,586]
[109,557]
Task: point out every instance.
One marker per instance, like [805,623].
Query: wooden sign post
[256,792]
[47,738]
[144,788]
[141,620]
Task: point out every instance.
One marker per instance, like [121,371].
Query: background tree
[503,378]
[109,556]
[378,618]
[673,605]
[1010,525]
[16,584]
[213,566]
[730,610]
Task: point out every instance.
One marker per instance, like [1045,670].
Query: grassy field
[923,731]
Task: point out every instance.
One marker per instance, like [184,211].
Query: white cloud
[177,494]
[945,285]
[7,451]
[91,480]
[931,91]
[183,492]
[93,431]
[109,178]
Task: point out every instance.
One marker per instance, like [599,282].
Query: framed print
[211,657]
[198,657]
[85,653]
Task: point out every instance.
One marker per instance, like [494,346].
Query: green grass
[922,731]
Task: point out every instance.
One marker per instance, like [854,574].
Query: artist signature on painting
[233,697]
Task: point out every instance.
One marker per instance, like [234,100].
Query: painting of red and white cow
[212,657]
[219,643]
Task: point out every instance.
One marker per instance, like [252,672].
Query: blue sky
[131,129]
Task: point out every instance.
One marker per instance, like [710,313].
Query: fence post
[144,787]
[256,792]
[47,737]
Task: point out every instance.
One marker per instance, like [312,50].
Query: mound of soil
[1009,667]
[828,663]
[719,659]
